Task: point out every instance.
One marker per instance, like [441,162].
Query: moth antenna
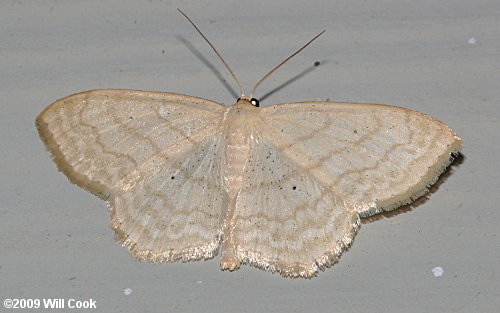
[286,60]
[216,52]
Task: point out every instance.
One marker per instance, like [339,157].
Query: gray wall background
[54,237]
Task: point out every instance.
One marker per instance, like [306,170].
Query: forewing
[285,219]
[376,156]
[153,157]
[98,137]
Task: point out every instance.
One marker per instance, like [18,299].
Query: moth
[281,188]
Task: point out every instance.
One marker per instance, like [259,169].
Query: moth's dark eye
[255,102]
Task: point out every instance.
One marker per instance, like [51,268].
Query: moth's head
[245,100]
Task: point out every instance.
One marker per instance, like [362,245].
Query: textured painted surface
[54,237]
